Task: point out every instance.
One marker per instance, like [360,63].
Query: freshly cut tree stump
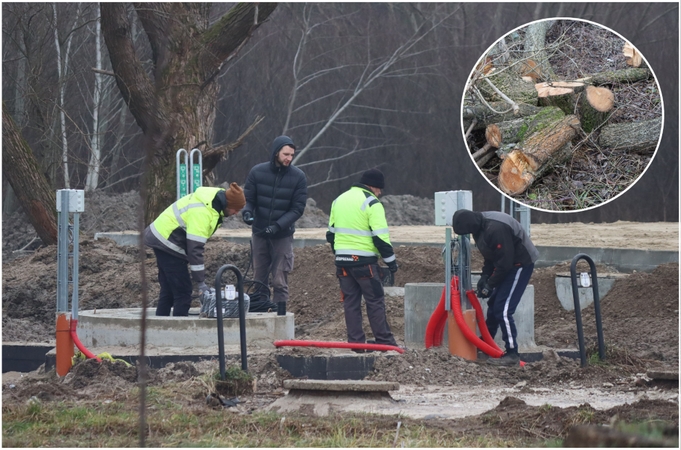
[562,94]
[633,57]
[514,131]
[595,107]
[485,116]
[537,154]
[639,137]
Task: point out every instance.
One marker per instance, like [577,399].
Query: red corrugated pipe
[81,347]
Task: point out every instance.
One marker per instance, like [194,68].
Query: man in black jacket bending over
[276,193]
[509,261]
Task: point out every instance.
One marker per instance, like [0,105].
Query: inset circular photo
[562,115]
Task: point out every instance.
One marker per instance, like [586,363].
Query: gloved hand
[393,266]
[271,230]
[203,287]
[484,289]
[248,217]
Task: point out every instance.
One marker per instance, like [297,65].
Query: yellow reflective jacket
[184,227]
[358,231]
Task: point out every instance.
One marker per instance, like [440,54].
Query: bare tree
[175,104]
[364,75]
[21,169]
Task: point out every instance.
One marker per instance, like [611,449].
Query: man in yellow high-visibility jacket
[178,237]
[358,234]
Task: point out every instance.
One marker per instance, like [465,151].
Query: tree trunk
[537,154]
[510,83]
[514,131]
[20,167]
[535,47]
[176,107]
[633,57]
[562,94]
[617,77]
[639,137]
[595,107]
[484,116]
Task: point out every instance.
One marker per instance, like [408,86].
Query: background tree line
[355,85]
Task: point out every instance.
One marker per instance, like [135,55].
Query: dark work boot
[507,359]
[281,308]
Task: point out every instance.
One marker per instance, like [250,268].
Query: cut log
[485,116]
[511,85]
[562,94]
[639,137]
[595,107]
[537,154]
[617,77]
[514,131]
[633,57]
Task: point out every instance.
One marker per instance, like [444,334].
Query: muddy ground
[640,317]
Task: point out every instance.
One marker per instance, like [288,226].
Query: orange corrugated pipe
[64,345]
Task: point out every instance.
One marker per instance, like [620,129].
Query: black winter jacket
[501,240]
[275,194]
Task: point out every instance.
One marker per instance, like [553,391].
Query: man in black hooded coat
[276,193]
[509,261]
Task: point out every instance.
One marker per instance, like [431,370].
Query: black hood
[465,221]
[277,144]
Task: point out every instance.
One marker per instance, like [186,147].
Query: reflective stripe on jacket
[184,227]
[358,231]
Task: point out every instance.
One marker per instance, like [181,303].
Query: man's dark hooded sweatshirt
[276,194]
[501,240]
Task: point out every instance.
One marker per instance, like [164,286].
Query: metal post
[182,184]
[74,275]
[196,170]
[448,269]
[63,255]
[464,271]
[578,311]
[242,318]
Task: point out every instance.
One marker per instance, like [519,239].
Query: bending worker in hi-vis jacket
[358,234]
[178,237]
[509,261]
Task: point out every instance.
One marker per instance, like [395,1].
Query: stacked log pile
[532,123]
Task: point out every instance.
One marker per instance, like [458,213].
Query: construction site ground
[640,319]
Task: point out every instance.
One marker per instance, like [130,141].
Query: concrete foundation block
[586,295]
[325,367]
[120,328]
[421,299]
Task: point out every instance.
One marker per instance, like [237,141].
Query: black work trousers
[356,282]
[176,285]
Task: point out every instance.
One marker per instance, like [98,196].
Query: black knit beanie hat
[373,178]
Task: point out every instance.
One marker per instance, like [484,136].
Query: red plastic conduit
[435,329]
[330,344]
[469,334]
[482,325]
[81,347]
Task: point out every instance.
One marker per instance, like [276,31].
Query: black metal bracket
[578,311]
[242,317]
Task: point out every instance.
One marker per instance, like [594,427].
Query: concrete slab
[342,385]
[586,296]
[120,328]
